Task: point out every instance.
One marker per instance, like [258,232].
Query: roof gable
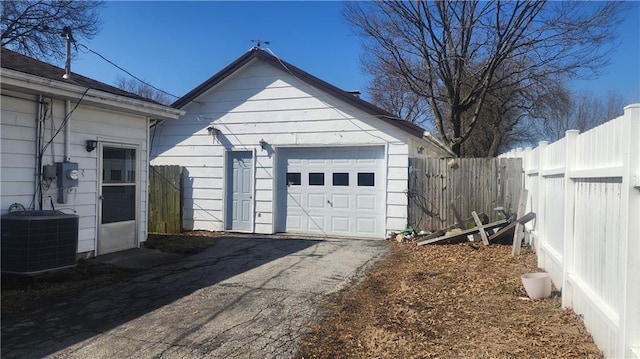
[14,61]
[326,87]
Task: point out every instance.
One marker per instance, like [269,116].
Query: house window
[116,176]
[294,179]
[341,179]
[316,179]
[366,179]
[119,165]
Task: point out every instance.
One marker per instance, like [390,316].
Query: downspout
[66,33]
[67,131]
[38,173]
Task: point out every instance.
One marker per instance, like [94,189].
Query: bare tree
[34,28]
[454,54]
[499,127]
[580,111]
[142,89]
[390,93]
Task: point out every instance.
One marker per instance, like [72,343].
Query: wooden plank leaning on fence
[519,231]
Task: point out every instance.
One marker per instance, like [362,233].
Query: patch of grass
[182,244]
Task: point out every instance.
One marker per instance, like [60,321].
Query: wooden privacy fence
[586,191]
[471,184]
[165,193]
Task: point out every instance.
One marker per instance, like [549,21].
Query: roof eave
[437,143]
[20,81]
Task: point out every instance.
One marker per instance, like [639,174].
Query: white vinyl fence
[585,189]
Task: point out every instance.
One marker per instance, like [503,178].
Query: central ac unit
[38,241]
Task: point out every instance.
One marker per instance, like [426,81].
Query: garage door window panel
[366,179]
[341,179]
[316,179]
[294,178]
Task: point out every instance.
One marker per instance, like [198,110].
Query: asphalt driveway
[241,298]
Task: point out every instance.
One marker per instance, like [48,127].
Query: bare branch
[142,89]
[456,55]
[34,28]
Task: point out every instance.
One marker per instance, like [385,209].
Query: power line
[64,122]
[127,72]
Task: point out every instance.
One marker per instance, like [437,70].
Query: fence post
[529,207]
[540,198]
[629,342]
[571,137]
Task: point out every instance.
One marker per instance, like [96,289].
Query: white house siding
[18,132]
[262,102]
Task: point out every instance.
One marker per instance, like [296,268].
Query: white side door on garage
[239,191]
[332,191]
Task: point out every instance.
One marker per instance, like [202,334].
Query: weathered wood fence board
[165,194]
[471,184]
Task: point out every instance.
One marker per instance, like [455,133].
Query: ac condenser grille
[38,241]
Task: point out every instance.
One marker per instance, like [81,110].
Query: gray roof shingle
[18,62]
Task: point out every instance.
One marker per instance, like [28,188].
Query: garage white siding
[262,102]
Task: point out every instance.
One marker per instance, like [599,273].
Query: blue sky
[177,45]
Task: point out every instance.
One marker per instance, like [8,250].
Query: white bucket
[537,285]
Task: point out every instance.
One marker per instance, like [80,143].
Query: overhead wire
[41,188]
[130,74]
[68,115]
[432,140]
[321,94]
[125,71]
[64,122]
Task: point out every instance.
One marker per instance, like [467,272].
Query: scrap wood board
[480,227]
[462,225]
[506,229]
[518,232]
[499,223]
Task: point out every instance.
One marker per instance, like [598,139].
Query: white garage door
[332,191]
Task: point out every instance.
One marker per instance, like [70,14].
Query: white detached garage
[269,148]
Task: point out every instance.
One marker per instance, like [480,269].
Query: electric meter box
[67,174]
[49,171]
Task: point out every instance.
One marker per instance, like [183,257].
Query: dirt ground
[447,301]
